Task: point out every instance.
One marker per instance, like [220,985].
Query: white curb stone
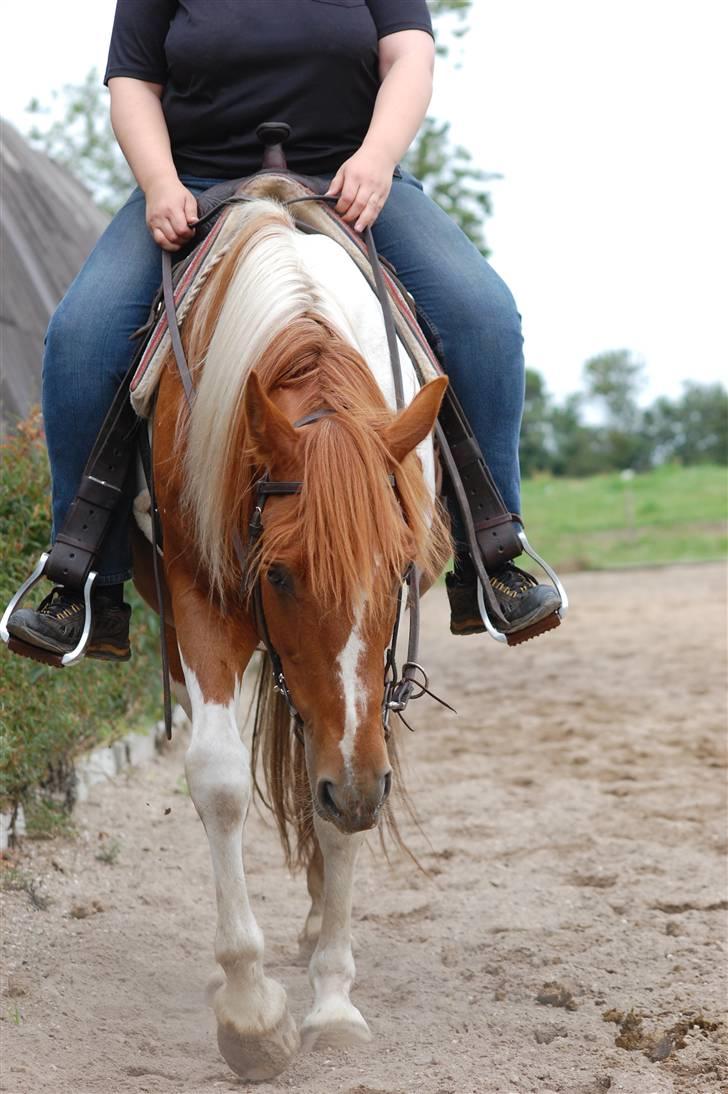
[100,765]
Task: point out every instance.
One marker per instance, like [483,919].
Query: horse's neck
[348,302]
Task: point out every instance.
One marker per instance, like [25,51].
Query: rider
[190,81]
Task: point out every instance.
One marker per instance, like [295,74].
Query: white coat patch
[351,686]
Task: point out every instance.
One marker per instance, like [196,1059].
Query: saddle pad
[216,244]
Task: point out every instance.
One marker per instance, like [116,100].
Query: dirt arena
[574,830]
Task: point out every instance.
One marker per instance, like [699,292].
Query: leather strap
[159,584]
[173,327]
[494,526]
[79,541]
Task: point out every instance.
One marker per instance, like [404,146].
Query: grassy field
[672,514]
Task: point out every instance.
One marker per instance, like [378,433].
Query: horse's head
[330,565]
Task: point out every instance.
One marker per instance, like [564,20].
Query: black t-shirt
[228,65]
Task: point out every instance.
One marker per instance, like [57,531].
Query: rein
[398,689]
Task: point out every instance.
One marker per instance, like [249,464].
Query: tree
[450,178]
[536,434]
[446,169]
[692,430]
[81,139]
[613,381]
[577,448]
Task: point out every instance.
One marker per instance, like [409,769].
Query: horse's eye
[280,578]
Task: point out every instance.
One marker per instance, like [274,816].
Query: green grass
[671,514]
[47,716]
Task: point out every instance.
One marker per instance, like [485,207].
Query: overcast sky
[607,120]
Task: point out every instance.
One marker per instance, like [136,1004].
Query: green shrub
[49,715]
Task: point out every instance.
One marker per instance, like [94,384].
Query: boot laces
[512,581]
[60,604]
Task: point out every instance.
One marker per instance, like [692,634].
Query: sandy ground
[574,815]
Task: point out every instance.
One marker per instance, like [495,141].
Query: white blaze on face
[351,686]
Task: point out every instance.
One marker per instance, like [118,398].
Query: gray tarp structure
[48,225]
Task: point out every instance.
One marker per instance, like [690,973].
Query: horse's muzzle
[353,808]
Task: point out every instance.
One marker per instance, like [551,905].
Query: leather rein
[399,688]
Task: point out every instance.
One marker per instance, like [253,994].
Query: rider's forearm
[401,106]
[141,130]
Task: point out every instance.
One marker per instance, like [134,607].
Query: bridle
[398,690]
[399,687]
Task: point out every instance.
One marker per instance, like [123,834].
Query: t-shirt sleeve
[137,40]
[391,16]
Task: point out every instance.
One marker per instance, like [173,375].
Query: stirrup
[36,653]
[532,630]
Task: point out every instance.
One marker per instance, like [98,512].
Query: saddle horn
[273,135]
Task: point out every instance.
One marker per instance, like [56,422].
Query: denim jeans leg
[87,352]
[471,310]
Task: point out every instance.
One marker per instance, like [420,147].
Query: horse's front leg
[255,1031]
[309,936]
[334,1020]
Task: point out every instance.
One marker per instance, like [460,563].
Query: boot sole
[27,644]
[514,638]
[550,623]
[104,651]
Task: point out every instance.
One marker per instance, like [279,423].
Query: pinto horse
[272,338]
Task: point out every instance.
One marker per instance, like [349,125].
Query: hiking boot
[56,625]
[521,599]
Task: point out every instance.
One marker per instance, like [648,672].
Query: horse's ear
[272,437]
[414,423]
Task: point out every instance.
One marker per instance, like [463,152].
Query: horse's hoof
[259,1056]
[335,1025]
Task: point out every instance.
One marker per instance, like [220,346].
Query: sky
[606,120]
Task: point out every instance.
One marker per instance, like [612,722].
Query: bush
[47,716]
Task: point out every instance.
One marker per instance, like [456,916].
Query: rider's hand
[171,213]
[363,183]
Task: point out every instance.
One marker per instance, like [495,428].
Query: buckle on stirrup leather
[515,637]
[36,653]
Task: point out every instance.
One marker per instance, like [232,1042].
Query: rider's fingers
[357,206]
[336,183]
[177,218]
[163,241]
[348,194]
[371,211]
[191,209]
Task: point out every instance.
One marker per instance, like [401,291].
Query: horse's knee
[219,782]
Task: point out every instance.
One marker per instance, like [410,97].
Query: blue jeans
[468,309]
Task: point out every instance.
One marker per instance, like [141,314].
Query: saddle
[494,534]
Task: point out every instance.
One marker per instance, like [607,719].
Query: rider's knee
[66,329]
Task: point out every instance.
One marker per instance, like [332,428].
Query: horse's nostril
[387,786]
[326,797]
